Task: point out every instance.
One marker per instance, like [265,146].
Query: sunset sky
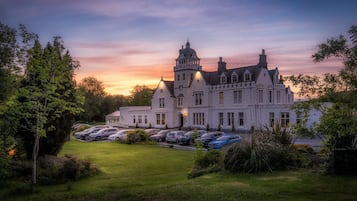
[128,42]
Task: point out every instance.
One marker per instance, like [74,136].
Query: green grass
[153,173]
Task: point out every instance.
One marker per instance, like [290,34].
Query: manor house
[239,97]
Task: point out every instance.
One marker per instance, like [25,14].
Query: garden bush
[206,162]
[137,136]
[268,151]
[54,170]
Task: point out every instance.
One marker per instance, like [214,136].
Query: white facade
[227,98]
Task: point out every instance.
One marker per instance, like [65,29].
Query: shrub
[137,136]
[54,170]
[268,151]
[248,157]
[208,162]
[212,157]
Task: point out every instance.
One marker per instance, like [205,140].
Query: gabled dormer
[223,79]
[234,77]
[247,76]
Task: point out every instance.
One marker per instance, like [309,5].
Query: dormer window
[247,76]
[234,78]
[223,79]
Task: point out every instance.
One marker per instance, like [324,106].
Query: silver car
[102,134]
[120,135]
[173,136]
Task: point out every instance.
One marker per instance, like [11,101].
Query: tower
[187,64]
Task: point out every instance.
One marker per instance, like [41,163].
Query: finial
[263,52]
[162,78]
[187,44]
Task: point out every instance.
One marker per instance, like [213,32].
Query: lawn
[153,173]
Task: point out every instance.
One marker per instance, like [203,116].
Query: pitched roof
[213,78]
[170,86]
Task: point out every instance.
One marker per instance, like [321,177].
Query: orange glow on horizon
[120,78]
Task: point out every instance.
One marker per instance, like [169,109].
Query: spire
[162,78]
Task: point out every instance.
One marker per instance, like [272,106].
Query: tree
[7,61]
[112,103]
[339,122]
[93,92]
[13,48]
[141,96]
[47,100]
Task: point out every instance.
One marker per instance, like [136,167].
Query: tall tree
[47,101]
[141,96]
[8,49]
[93,91]
[339,122]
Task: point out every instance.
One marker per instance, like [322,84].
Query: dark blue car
[208,137]
[223,141]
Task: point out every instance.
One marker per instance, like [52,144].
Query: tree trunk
[34,159]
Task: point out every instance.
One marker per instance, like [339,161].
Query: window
[198,118]
[230,116]
[134,120]
[163,119]
[221,118]
[139,119]
[247,76]
[184,76]
[234,78]
[223,79]
[241,118]
[278,96]
[198,97]
[162,102]
[145,119]
[284,118]
[260,96]
[270,96]
[221,97]
[237,96]
[178,77]
[271,119]
[180,100]
[289,98]
[158,119]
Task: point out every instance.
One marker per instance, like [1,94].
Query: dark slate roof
[213,78]
[170,86]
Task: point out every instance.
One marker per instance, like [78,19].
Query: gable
[164,89]
[264,77]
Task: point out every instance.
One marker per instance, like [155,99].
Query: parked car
[173,136]
[152,131]
[76,126]
[102,134]
[223,141]
[120,135]
[84,134]
[190,136]
[208,137]
[160,136]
